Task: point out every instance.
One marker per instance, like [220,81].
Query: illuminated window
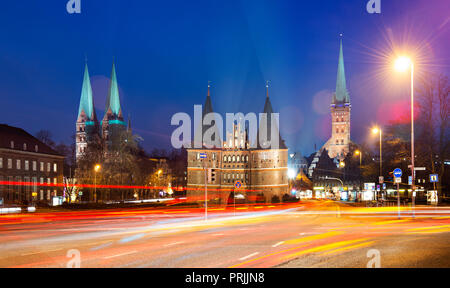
[1,162]
[18,164]
[224,158]
[41,166]
[48,167]
[234,158]
[238,158]
[55,167]
[34,165]
[27,165]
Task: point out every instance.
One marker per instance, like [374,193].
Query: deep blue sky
[166,51]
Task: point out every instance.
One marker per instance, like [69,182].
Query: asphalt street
[306,234]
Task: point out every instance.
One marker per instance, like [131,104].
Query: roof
[86,99]
[207,108]
[113,99]
[341,96]
[20,136]
[268,110]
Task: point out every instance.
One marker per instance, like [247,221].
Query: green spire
[86,100]
[341,95]
[113,100]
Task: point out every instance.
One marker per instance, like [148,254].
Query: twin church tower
[112,126]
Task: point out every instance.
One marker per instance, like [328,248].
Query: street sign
[417,168]
[237,184]
[381,179]
[203,155]
[398,180]
[369,186]
[434,178]
[397,172]
[432,197]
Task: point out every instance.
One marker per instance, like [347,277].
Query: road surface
[306,234]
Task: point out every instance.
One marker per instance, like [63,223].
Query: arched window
[229,158]
[238,158]
[224,158]
[234,158]
[246,158]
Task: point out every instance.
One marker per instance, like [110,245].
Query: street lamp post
[377,130]
[96,169]
[402,64]
[357,152]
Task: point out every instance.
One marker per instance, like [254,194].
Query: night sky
[166,51]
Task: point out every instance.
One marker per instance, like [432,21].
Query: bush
[275,199]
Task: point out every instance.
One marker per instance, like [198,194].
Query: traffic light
[211,175]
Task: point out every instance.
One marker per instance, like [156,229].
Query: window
[229,158]
[246,158]
[18,164]
[55,167]
[41,168]
[24,146]
[224,158]
[48,167]
[12,144]
[55,181]
[238,158]
[34,165]
[234,158]
[36,148]
[27,165]
[1,162]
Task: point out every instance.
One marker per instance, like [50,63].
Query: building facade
[261,172]
[30,171]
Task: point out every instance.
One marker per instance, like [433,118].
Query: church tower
[113,124]
[87,124]
[338,145]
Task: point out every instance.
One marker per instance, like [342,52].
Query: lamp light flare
[402,63]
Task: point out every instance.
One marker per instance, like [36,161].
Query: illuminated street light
[402,64]
[342,164]
[96,169]
[377,130]
[291,173]
[359,153]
